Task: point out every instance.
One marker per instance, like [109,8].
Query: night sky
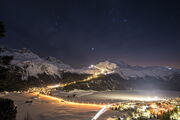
[83,32]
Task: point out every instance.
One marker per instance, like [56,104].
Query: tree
[2,29]
[7,109]
[5,60]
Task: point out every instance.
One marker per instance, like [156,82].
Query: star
[92,49]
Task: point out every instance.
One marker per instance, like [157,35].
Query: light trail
[65,101]
[47,89]
[97,74]
[84,80]
[103,109]
[100,112]
[74,82]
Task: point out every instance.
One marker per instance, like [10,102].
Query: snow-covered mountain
[124,76]
[157,72]
[129,72]
[32,64]
[28,69]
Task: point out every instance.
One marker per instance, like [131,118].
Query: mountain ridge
[28,66]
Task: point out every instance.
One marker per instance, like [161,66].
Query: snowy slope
[157,72]
[58,63]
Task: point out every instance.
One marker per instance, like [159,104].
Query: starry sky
[83,32]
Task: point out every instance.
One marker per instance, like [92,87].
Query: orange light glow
[67,102]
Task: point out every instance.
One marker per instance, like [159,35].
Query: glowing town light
[53,86]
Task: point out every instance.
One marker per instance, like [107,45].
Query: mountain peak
[53,59]
[121,63]
[25,50]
